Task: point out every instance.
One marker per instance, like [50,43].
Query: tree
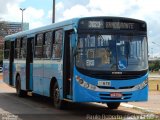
[154,65]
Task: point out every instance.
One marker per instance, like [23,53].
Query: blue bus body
[84,83]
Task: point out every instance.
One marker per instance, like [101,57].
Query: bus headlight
[92,87]
[142,85]
[80,80]
[85,84]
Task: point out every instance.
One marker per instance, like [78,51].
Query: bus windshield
[100,52]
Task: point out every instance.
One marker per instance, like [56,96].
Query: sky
[39,13]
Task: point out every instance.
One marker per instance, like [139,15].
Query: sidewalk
[152,105]
[4,87]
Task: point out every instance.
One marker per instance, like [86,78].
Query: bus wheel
[113,105]
[19,92]
[59,104]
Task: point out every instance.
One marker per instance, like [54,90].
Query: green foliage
[154,65]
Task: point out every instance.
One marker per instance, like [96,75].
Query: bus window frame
[54,43]
[17,47]
[38,46]
[46,45]
[7,49]
[23,47]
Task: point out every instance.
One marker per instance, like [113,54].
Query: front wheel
[113,105]
[59,104]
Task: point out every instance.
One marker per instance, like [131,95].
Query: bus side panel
[6,71]
[52,69]
[38,77]
[37,85]
[23,75]
[46,86]
[48,74]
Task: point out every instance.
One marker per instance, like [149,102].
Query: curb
[140,108]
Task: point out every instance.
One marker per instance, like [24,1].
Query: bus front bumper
[82,94]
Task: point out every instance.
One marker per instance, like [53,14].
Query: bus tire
[20,93]
[59,104]
[113,105]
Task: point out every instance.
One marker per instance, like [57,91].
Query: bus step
[29,93]
[69,97]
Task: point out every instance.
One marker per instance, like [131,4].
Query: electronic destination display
[112,25]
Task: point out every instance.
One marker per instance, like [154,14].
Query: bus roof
[41,29]
[53,26]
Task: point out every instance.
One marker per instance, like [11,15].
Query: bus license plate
[104,83]
[116,95]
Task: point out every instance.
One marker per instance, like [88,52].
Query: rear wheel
[19,92]
[113,105]
[59,104]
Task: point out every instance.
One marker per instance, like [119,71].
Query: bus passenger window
[23,51]
[17,48]
[47,45]
[38,46]
[6,49]
[57,45]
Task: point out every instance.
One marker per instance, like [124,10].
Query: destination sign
[120,25]
[112,25]
[95,24]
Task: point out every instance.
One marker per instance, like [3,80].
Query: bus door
[67,66]
[29,64]
[11,60]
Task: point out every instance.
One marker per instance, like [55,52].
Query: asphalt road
[40,108]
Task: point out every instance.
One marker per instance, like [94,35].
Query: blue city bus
[89,59]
